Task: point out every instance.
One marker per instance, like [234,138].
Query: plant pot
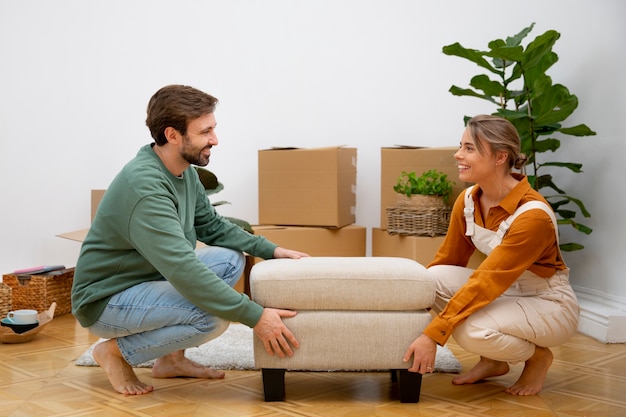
[420,201]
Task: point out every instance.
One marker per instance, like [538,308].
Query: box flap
[405,147]
[294,148]
[260,227]
[77,235]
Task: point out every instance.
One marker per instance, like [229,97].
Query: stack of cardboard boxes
[412,159]
[307,200]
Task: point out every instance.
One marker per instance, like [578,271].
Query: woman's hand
[424,352]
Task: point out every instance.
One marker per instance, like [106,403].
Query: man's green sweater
[146,229]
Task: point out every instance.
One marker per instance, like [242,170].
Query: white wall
[75,78]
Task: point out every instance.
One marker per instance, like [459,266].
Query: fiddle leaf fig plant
[518,85]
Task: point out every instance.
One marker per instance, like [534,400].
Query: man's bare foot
[485,368]
[177,365]
[120,373]
[534,373]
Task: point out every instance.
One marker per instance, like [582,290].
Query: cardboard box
[317,241]
[414,159]
[96,196]
[419,248]
[76,235]
[307,187]
[79,235]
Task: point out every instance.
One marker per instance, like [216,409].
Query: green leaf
[470,93]
[517,39]
[489,87]
[571,247]
[554,105]
[535,77]
[511,54]
[571,199]
[456,49]
[566,214]
[547,145]
[578,130]
[556,204]
[516,73]
[572,166]
[542,130]
[539,47]
[219,203]
[241,223]
[512,114]
[544,181]
[582,228]
[579,227]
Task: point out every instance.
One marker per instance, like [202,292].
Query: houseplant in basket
[421,208]
[431,189]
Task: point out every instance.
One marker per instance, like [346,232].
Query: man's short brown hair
[175,106]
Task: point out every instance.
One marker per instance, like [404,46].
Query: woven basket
[431,221]
[5,299]
[38,292]
[420,201]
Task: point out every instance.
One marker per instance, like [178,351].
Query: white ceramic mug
[22,316]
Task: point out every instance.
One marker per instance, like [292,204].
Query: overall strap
[504,226]
[468,211]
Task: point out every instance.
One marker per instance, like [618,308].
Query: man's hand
[424,352]
[288,253]
[276,337]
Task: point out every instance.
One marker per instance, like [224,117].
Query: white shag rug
[233,351]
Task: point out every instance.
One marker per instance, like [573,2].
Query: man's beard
[194,155]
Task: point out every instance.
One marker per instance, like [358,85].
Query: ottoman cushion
[342,283]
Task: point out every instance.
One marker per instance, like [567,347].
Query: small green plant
[431,182]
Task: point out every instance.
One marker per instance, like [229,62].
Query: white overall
[533,311]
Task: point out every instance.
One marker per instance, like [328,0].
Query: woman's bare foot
[534,373]
[120,373]
[177,365]
[485,368]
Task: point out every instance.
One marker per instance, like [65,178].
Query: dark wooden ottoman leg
[409,384]
[394,375]
[273,384]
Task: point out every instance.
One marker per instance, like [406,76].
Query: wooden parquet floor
[39,378]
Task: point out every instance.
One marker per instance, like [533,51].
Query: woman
[518,302]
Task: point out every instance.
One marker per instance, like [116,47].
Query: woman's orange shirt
[530,244]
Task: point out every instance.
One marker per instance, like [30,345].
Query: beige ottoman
[354,313]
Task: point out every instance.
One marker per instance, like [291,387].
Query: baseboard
[602,316]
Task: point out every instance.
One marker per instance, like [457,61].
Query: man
[138,280]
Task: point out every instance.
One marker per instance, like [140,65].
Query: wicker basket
[426,221]
[420,201]
[37,292]
[5,299]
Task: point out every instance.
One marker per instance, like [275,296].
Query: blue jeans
[152,319]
